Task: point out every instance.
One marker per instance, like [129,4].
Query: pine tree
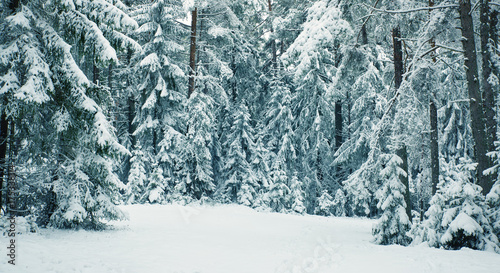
[457,216]
[297,195]
[325,204]
[339,203]
[311,59]
[198,174]
[279,191]
[155,191]
[79,141]
[137,179]
[160,119]
[392,226]
[241,183]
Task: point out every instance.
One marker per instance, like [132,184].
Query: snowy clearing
[232,239]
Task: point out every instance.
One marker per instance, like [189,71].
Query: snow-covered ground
[231,239]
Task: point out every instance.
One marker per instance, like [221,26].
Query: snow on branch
[411,10]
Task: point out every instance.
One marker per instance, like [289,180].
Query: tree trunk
[488,95]
[273,41]
[95,70]
[475,101]
[398,57]
[434,147]
[398,79]
[3,151]
[364,35]
[338,124]
[192,52]
[403,154]
[434,128]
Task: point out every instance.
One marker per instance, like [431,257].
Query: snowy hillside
[232,239]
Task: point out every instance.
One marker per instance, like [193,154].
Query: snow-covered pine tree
[297,195]
[240,181]
[155,191]
[260,162]
[311,59]
[339,203]
[198,180]
[279,191]
[393,225]
[493,212]
[160,119]
[458,214]
[360,77]
[493,198]
[80,142]
[325,205]
[277,130]
[137,179]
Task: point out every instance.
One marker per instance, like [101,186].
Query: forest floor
[230,239]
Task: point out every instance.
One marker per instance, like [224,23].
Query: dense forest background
[384,109]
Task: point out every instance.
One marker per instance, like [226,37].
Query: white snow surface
[232,239]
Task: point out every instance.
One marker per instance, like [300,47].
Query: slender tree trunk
[487,71]
[95,70]
[398,57]
[155,134]
[403,154]
[475,101]
[192,53]
[364,35]
[273,41]
[4,124]
[398,79]
[434,146]
[434,128]
[338,124]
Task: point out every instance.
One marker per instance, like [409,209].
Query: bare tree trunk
[434,146]
[475,101]
[95,70]
[192,53]
[398,57]
[487,71]
[364,35]
[338,124]
[273,41]
[434,128]
[398,79]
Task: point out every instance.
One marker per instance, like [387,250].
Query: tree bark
[403,154]
[434,128]
[434,147]
[273,41]
[192,53]
[398,57]
[338,124]
[398,79]
[364,35]
[475,101]
[488,95]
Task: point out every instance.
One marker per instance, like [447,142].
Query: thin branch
[440,46]
[413,10]
[495,4]
[366,20]
[475,7]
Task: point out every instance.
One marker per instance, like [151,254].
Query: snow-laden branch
[412,10]
[495,4]
[440,46]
